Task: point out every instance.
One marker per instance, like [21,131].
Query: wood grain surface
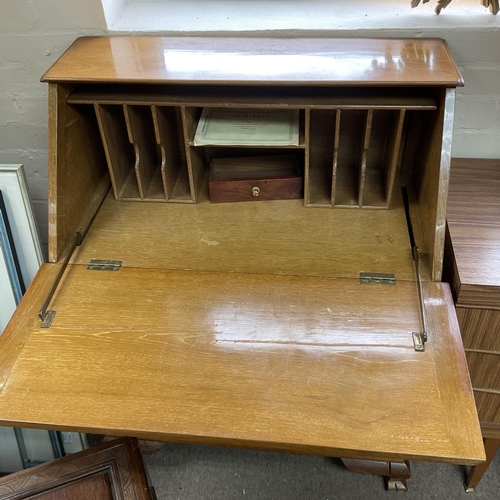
[111,471]
[78,173]
[479,327]
[312,365]
[245,96]
[483,369]
[473,269]
[276,237]
[474,226]
[146,59]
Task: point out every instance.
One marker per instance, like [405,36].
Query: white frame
[7,297]
[22,222]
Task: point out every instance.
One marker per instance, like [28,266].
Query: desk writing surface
[278,237]
[289,61]
[304,364]
[271,352]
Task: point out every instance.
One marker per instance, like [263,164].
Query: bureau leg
[396,473]
[476,473]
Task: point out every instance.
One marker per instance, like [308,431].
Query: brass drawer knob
[255,191]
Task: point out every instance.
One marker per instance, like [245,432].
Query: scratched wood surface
[313,365]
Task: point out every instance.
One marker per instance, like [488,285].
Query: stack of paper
[253,127]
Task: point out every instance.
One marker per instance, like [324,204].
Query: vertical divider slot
[364,154]
[335,154]
[195,156]
[393,148]
[170,140]
[349,157]
[141,135]
[119,152]
[322,128]
[382,157]
[307,155]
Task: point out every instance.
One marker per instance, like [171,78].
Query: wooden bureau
[313,326]
[473,269]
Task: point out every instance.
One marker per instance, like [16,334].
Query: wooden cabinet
[113,470]
[248,324]
[473,269]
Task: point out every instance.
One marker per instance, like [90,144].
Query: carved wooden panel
[114,470]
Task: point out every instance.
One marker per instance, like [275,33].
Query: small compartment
[194,156]
[145,151]
[366,152]
[249,127]
[323,137]
[142,137]
[348,172]
[381,158]
[255,178]
[173,172]
[119,152]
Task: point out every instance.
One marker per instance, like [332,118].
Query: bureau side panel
[431,177]
[77,167]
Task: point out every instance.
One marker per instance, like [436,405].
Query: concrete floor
[187,472]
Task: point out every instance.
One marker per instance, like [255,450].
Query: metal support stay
[43,314]
[78,237]
[419,338]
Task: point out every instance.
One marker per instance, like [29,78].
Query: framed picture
[7,298]
[22,222]
[10,255]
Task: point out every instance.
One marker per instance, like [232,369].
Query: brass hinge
[104,265]
[377,279]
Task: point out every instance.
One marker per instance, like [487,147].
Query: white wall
[34,33]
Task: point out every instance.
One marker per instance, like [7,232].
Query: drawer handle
[255,191]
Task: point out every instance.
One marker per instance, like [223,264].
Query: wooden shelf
[351,153]
[254,97]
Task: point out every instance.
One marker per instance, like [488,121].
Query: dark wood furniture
[473,269]
[111,471]
[248,324]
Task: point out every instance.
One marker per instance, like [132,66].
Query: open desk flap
[305,364]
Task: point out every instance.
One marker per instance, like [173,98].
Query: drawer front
[255,189]
[488,406]
[480,328]
[484,370]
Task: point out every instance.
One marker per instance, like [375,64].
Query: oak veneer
[275,237]
[246,324]
[289,61]
[303,364]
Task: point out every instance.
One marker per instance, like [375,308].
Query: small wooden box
[255,178]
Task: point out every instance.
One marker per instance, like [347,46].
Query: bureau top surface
[266,61]
[474,221]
